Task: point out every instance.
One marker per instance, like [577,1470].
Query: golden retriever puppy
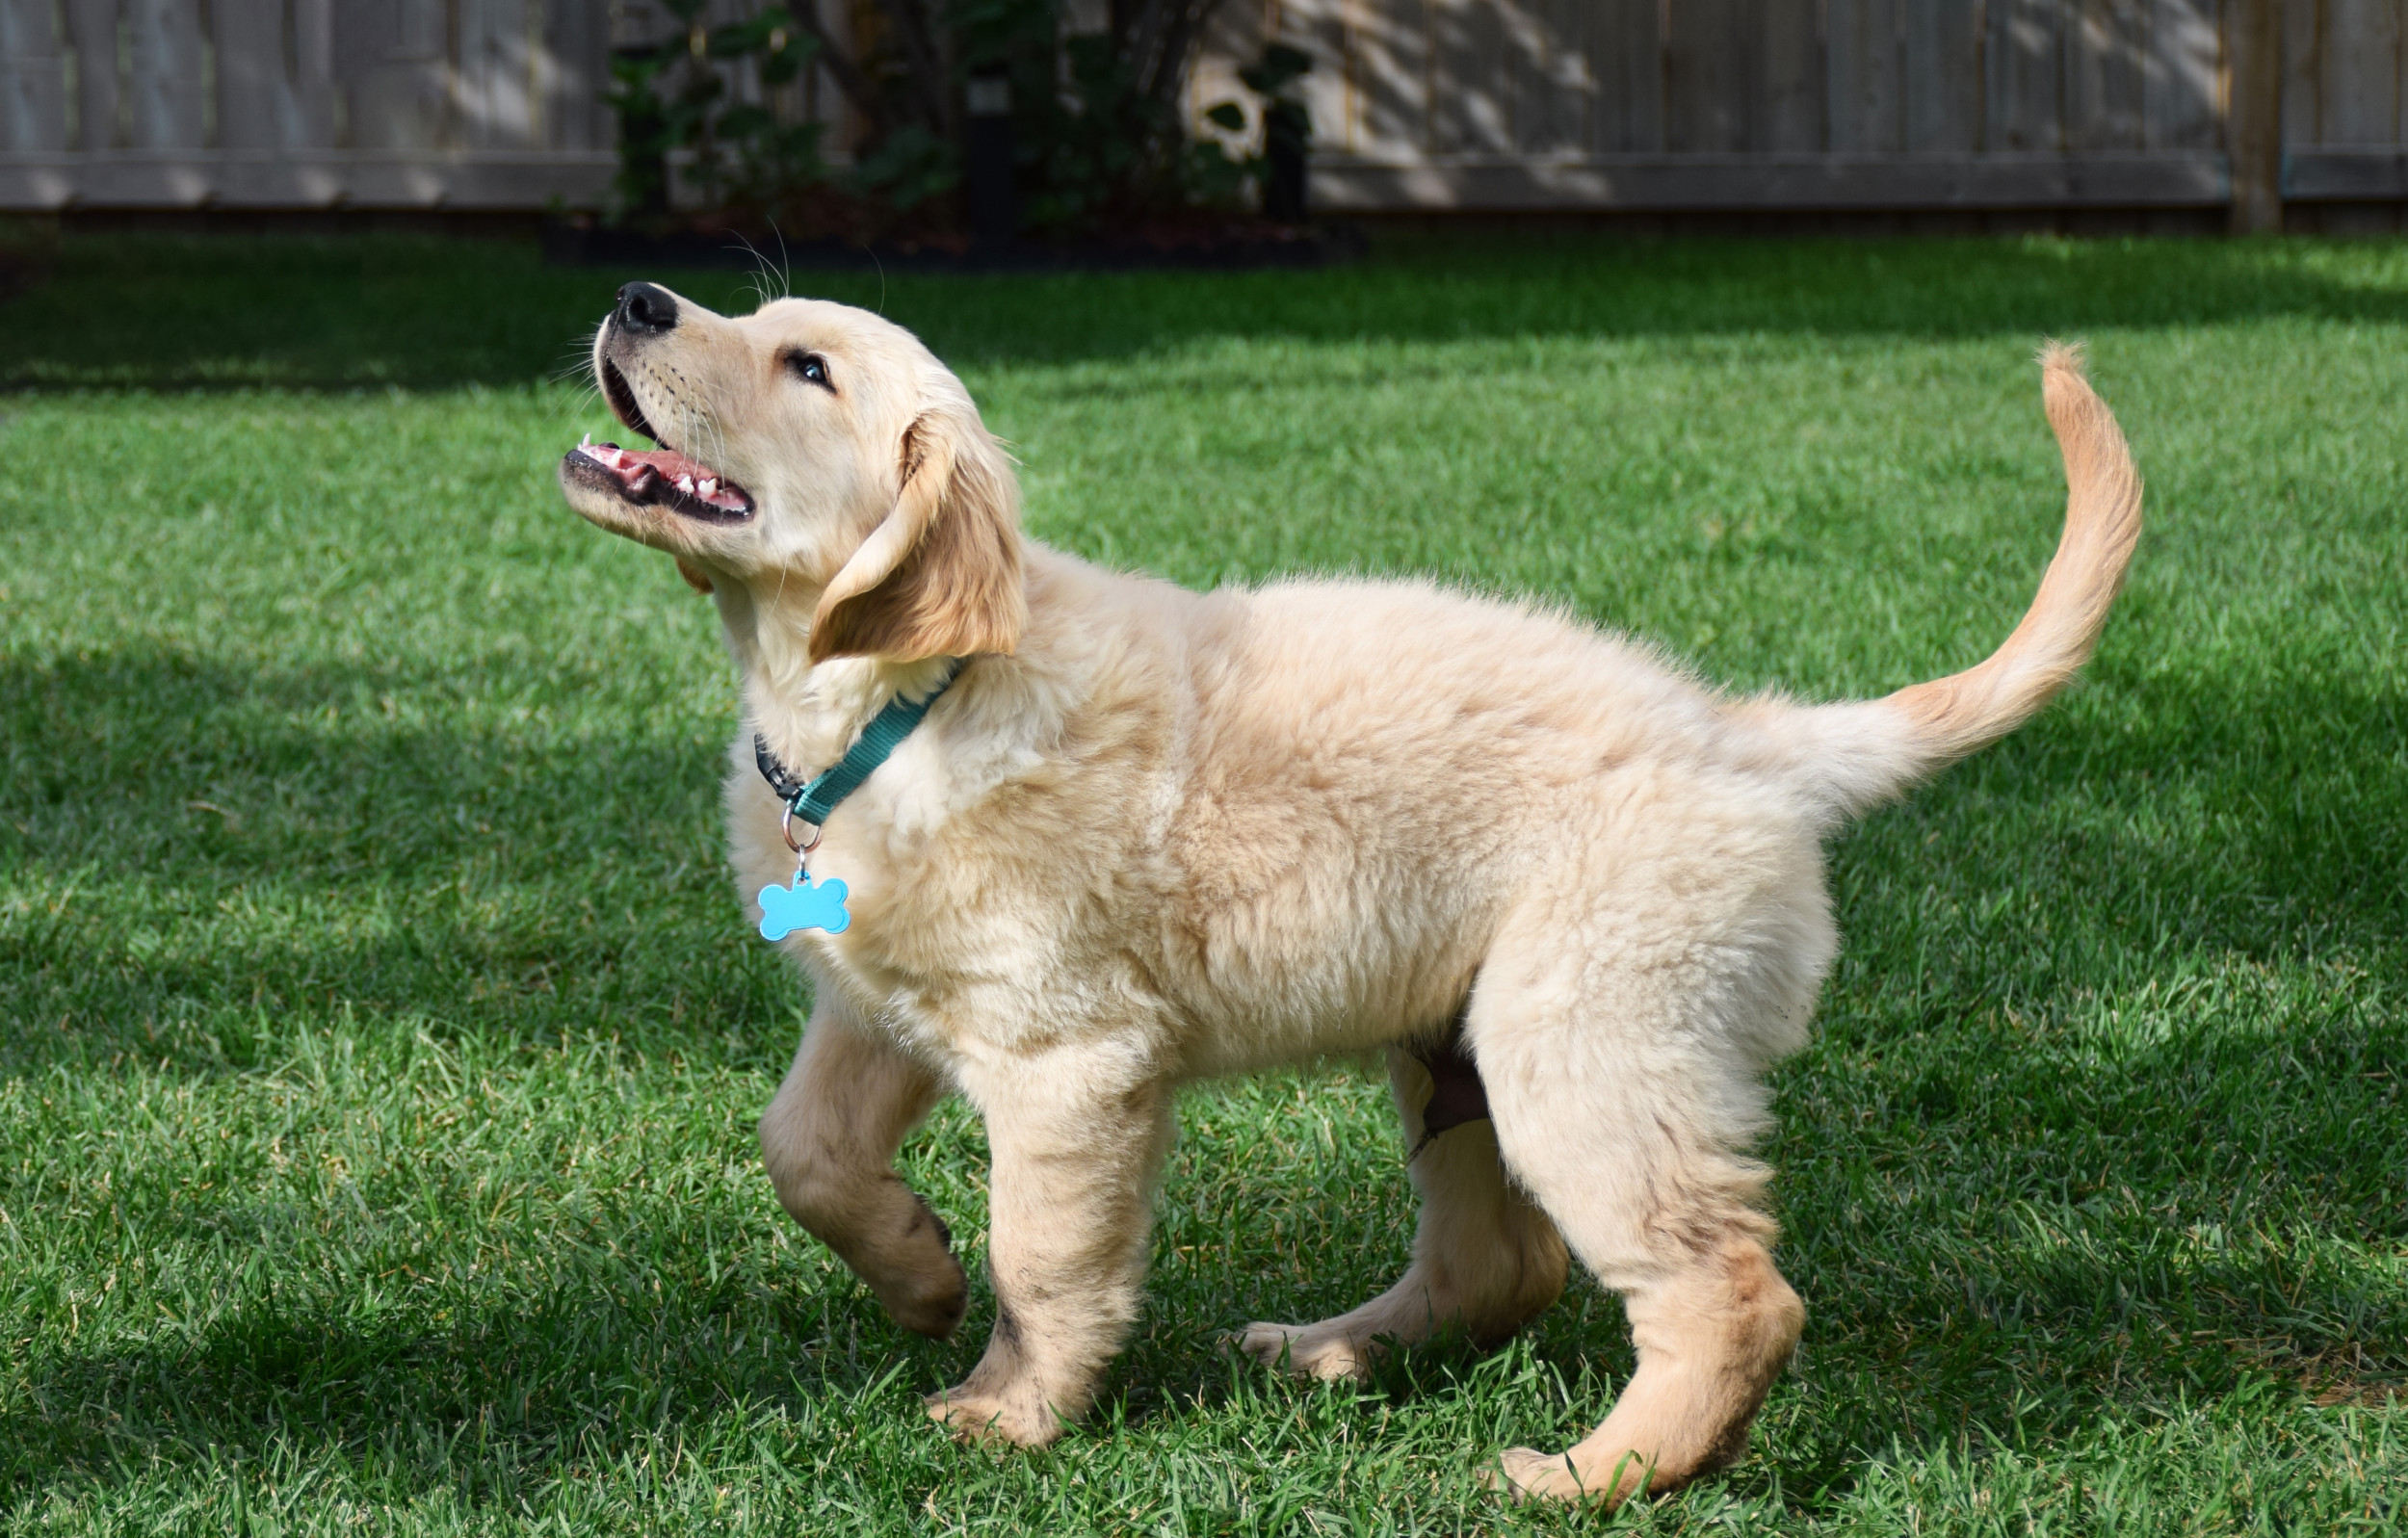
[1147,836]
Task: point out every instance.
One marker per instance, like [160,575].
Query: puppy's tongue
[635,473]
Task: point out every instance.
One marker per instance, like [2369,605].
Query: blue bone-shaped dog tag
[784,909]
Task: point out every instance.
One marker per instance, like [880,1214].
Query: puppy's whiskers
[579,364]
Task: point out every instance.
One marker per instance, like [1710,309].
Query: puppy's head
[810,446]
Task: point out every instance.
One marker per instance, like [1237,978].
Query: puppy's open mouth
[665,479]
[662,478]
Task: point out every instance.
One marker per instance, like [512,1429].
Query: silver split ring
[786,827]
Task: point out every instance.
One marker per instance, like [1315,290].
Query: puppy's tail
[1866,752]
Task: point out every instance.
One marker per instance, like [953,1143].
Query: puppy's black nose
[647,310]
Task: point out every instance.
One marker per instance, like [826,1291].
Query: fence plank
[1553,90]
[163,75]
[1522,78]
[1705,76]
[2179,79]
[1471,89]
[1941,76]
[2253,63]
[33,79]
[1387,55]
[1862,71]
[1626,54]
[2303,105]
[274,80]
[1333,91]
[1787,115]
[393,56]
[315,91]
[572,71]
[2360,73]
[2025,53]
[2103,43]
[257,104]
[495,100]
[92,27]
[1451,70]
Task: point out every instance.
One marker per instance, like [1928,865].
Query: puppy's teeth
[585,442]
[685,483]
[709,487]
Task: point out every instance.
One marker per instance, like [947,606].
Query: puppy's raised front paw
[1306,1352]
[934,1307]
[917,1278]
[999,1418]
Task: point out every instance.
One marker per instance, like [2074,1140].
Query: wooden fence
[306,103]
[1417,104]
[1846,104]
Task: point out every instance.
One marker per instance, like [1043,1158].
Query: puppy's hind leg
[1621,1105]
[1485,1260]
[829,1140]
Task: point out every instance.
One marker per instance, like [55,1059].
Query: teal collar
[814,802]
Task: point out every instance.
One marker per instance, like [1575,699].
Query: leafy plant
[669,98]
[1097,129]
[911,166]
[771,162]
[1096,118]
[1279,171]
[650,127]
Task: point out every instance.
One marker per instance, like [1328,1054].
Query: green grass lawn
[380,1037]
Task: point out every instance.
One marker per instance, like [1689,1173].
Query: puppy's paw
[1007,1419]
[916,1276]
[1306,1352]
[1526,1473]
[930,1301]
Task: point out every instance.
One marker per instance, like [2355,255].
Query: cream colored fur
[1151,836]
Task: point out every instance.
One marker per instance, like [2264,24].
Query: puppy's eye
[810,368]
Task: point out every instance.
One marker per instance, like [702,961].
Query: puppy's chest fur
[1004,866]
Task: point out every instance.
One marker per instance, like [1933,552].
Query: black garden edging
[569,245]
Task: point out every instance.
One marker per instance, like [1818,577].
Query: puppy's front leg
[1070,1200]
[829,1140]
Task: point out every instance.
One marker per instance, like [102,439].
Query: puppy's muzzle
[662,476]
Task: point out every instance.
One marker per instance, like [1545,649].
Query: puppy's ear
[940,577]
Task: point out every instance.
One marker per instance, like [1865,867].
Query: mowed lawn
[380,1037]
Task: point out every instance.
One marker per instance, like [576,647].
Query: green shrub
[1096,123]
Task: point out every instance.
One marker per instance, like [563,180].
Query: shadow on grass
[157,313]
[200,848]
[578,1372]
